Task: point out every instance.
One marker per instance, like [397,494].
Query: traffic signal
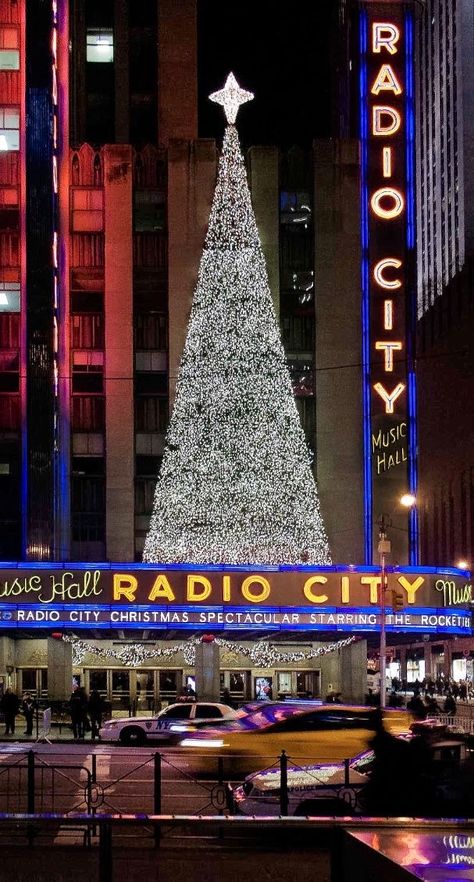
[397,600]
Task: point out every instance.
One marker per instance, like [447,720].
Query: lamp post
[384,548]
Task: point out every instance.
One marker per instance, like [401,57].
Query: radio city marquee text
[387,200]
[280,599]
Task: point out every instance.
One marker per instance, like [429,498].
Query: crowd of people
[86,712]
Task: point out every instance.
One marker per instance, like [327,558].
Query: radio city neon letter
[398,202]
[386,81]
[379,273]
[379,111]
[384,36]
[389,349]
[389,397]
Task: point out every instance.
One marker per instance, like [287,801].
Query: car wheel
[132,736]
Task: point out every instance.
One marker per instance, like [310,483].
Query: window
[9,54]
[151,331]
[100,45]
[87,214]
[9,128]
[181,712]
[87,332]
[88,413]
[204,711]
[150,212]
[152,414]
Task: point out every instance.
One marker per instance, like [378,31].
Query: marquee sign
[234,598]
[388,243]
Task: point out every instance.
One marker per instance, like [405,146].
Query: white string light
[261,654]
[235,484]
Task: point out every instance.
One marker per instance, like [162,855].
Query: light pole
[384,548]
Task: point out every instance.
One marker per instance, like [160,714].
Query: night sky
[278,50]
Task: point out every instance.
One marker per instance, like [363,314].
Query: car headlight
[202,742]
[110,725]
[179,728]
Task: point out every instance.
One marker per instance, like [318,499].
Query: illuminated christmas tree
[235,484]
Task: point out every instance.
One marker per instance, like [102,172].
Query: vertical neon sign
[387,215]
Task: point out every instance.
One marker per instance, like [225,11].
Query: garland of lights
[262,654]
[235,484]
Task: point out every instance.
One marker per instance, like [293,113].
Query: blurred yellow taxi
[326,733]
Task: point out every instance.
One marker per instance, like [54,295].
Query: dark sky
[278,50]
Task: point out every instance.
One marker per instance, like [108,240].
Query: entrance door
[120,690]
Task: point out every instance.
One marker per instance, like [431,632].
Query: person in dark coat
[95,708]
[10,706]
[78,711]
[28,707]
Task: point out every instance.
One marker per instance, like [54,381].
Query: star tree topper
[231,97]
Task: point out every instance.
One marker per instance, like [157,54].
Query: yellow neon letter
[388,315]
[314,598]
[345,596]
[203,591]
[411,587]
[226,588]
[387,193]
[379,111]
[161,589]
[389,397]
[256,598]
[389,348]
[384,35]
[125,586]
[379,273]
[374,582]
[387,162]
[386,81]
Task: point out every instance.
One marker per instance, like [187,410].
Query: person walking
[9,705]
[95,707]
[28,707]
[78,710]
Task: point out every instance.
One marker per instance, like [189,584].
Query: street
[121,780]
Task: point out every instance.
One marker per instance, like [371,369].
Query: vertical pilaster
[264,186]
[59,669]
[208,683]
[119,348]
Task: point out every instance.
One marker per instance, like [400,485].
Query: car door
[175,714]
[320,736]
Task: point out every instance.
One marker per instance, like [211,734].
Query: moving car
[176,718]
[318,789]
[327,733]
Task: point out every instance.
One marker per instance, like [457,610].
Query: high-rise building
[105,192]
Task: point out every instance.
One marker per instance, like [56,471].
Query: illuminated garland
[235,484]
[261,654]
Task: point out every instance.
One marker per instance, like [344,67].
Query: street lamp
[383,548]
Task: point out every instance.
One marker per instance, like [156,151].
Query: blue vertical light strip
[411,291]
[365,306]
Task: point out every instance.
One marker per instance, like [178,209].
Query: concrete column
[208,684]
[339,433]
[7,661]
[177,70]
[59,669]
[191,183]
[119,349]
[353,660]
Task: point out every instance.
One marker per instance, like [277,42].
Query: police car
[175,719]
[323,789]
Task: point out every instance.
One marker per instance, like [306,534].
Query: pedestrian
[78,709]
[449,706]
[9,705]
[227,698]
[28,707]
[95,707]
